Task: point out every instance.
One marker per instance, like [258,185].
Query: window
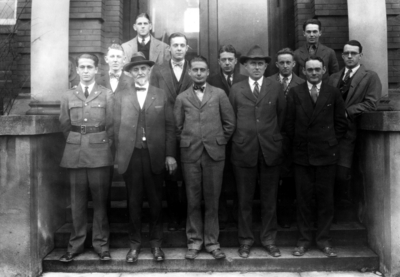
[8,12]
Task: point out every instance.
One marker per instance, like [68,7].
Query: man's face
[86,70]
[178,48]
[142,26]
[314,71]
[285,64]
[140,74]
[115,59]
[351,56]
[227,62]
[312,33]
[199,72]
[255,68]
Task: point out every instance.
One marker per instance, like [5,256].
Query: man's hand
[170,164]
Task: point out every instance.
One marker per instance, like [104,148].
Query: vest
[140,127]
[344,87]
[178,84]
[144,49]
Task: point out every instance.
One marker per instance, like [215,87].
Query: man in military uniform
[86,121]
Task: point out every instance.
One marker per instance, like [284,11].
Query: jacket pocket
[75,110]
[333,142]
[98,110]
[98,138]
[277,137]
[221,141]
[185,143]
[74,138]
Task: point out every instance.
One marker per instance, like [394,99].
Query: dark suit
[143,168]
[315,131]
[158,50]
[203,129]
[257,147]
[218,80]
[124,81]
[326,53]
[88,158]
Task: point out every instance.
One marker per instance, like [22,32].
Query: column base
[44,108]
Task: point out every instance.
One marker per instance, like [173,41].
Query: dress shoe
[105,256]
[329,252]
[172,226]
[244,251]
[218,254]
[191,254]
[132,255]
[273,250]
[299,251]
[68,257]
[158,254]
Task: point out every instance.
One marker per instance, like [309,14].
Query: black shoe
[105,256]
[191,254]
[329,252]
[132,255]
[273,250]
[299,251]
[68,257]
[158,254]
[244,251]
[218,254]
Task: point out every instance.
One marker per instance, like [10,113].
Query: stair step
[342,234]
[349,259]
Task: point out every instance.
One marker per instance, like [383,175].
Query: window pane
[8,12]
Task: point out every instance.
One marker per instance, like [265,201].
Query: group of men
[157,115]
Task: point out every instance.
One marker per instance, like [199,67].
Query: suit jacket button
[85,104]
[85,119]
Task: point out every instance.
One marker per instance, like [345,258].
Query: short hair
[314,58]
[145,15]
[115,46]
[198,58]
[87,56]
[226,48]
[354,43]
[285,51]
[176,35]
[312,21]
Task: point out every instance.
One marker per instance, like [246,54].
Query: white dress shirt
[142,94]
[90,87]
[259,81]
[114,82]
[177,69]
[353,71]
[311,85]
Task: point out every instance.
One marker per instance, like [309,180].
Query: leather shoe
[191,254]
[244,251]
[158,254]
[218,254]
[299,251]
[105,256]
[273,250]
[68,257]
[329,252]
[132,255]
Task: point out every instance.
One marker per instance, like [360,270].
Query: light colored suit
[158,50]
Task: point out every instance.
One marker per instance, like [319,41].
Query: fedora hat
[255,52]
[138,58]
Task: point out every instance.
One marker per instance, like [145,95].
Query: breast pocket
[97,110]
[75,110]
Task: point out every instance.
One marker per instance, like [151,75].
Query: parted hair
[312,21]
[88,56]
[354,43]
[284,51]
[226,48]
[145,15]
[314,58]
[115,46]
[198,58]
[176,35]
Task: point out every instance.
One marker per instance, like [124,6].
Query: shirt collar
[353,70]
[146,39]
[289,78]
[316,46]
[118,73]
[90,87]
[259,81]
[146,86]
[317,85]
[181,63]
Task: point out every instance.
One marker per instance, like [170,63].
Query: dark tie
[347,77]
[198,88]
[139,88]
[178,64]
[256,91]
[115,76]
[86,92]
[312,50]
[314,94]
[228,79]
[285,83]
[143,43]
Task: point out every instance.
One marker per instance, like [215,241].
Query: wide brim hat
[256,52]
[138,58]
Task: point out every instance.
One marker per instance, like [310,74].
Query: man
[361,90]
[86,121]
[153,49]
[312,32]
[259,105]
[286,192]
[205,122]
[145,143]
[315,123]
[173,78]
[224,80]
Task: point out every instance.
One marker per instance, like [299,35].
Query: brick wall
[393,20]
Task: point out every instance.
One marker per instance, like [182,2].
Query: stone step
[342,234]
[350,258]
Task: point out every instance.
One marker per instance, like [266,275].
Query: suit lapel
[206,96]
[94,93]
[166,73]
[305,100]
[223,80]
[79,93]
[153,53]
[263,90]
[186,81]
[357,77]
[193,98]
[321,101]
[133,98]
[246,90]
[150,97]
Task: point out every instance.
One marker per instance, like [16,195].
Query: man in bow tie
[146,144]
[205,122]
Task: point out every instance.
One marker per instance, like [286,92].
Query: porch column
[49,54]
[368,25]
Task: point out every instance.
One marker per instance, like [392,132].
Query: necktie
[256,91]
[314,94]
[228,79]
[143,43]
[115,76]
[178,64]
[285,83]
[86,92]
[312,49]
[140,88]
[198,88]
[347,77]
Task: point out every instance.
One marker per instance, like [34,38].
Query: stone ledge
[23,125]
[385,121]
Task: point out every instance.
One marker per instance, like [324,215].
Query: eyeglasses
[352,54]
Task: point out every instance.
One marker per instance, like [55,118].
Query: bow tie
[198,88]
[140,88]
[177,64]
[114,75]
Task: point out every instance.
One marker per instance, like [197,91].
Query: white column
[49,49]
[368,25]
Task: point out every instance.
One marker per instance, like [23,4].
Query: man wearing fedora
[259,105]
[145,141]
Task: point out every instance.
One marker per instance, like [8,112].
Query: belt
[83,129]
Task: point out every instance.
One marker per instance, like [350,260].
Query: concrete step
[349,259]
[342,234]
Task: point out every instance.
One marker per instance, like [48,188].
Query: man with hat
[259,105]
[145,141]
